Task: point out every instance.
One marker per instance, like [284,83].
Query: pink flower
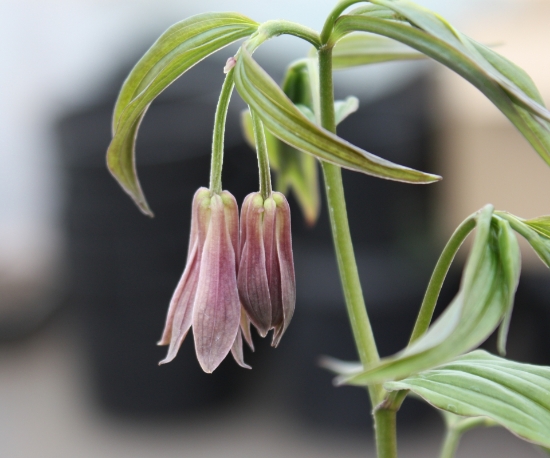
[266,282]
[206,296]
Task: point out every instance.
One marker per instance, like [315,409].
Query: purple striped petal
[245,328]
[231,214]
[180,312]
[182,299]
[286,265]
[237,351]
[252,278]
[216,311]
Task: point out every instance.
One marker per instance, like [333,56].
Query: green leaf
[509,70]
[344,108]
[512,394]
[541,225]
[176,51]
[286,122]
[485,297]
[361,49]
[376,11]
[533,231]
[507,86]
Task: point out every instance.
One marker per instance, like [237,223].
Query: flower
[206,296]
[266,282]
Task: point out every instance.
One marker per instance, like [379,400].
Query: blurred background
[85,279]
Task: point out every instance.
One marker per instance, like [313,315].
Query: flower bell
[206,296]
[266,282]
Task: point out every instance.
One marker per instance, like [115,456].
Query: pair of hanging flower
[234,275]
[230,281]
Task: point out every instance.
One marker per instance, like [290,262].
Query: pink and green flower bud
[266,282]
[206,296]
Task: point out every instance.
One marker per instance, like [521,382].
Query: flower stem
[438,276]
[349,275]
[263,159]
[219,133]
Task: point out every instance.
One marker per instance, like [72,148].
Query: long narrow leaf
[512,394]
[534,232]
[437,27]
[362,49]
[176,51]
[509,88]
[484,299]
[286,122]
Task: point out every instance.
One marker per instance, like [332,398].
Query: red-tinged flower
[206,296]
[266,282]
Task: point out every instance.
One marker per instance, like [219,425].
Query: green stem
[349,275]
[425,315]
[263,159]
[274,28]
[450,444]
[440,272]
[386,433]
[456,429]
[219,133]
[334,14]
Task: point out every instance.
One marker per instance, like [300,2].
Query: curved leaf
[541,225]
[485,297]
[362,49]
[512,394]
[176,51]
[534,231]
[508,87]
[286,122]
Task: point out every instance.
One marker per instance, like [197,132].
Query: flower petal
[272,262]
[286,265]
[237,351]
[217,310]
[198,221]
[244,210]
[180,312]
[231,213]
[245,328]
[252,278]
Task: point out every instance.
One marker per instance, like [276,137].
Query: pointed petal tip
[166,360]
[172,353]
[278,333]
[208,369]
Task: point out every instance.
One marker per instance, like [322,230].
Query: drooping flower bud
[266,282]
[206,296]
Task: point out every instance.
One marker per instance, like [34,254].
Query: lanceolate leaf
[344,108]
[485,297]
[534,231]
[512,394]
[286,122]
[178,49]
[361,49]
[541,225]
[508,87]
